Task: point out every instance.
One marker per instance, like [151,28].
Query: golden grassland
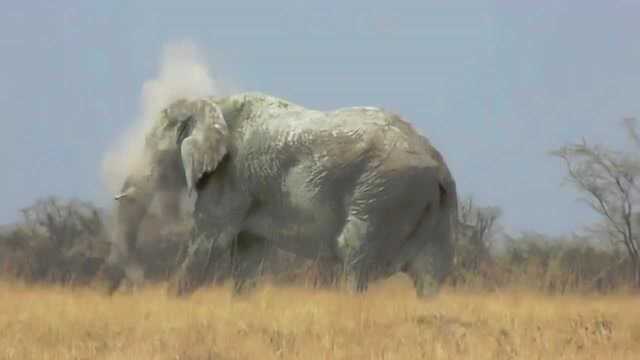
[389,322]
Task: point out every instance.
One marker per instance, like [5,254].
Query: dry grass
[297,323]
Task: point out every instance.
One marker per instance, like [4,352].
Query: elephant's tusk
[125,194]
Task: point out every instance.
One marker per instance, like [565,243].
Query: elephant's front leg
[329,272]
[218,217]
[248,256]
[204,249]
[352,246]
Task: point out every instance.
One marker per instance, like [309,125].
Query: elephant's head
[187,142]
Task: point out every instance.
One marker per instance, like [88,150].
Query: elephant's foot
[362,281]
[355,278]
[426,286]
[243,287]
[183,285]
[328,274]
[111,276]
[180,288]
[191,276]
[426,275]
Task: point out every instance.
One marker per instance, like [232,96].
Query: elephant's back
[287,133]
[388,135]
[281,116]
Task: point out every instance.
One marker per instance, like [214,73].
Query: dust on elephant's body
[356,186]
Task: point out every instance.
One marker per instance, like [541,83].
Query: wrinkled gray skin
[356,187]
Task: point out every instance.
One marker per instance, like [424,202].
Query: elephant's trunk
[132,206]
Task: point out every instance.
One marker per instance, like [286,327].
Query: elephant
[355,187]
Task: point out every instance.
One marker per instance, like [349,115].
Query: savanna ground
[276,322]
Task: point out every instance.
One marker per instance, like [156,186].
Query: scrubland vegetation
[294,322]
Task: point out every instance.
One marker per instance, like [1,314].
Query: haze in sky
[493,84]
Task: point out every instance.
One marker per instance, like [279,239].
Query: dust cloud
[183,73]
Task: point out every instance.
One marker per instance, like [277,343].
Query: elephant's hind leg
[382,208]
[424,283]
[248,254]
[429,266]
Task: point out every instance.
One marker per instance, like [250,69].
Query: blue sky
[493,84]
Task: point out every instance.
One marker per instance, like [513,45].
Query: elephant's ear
[204,141]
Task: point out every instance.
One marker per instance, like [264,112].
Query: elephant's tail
[449,202]
[448,194]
